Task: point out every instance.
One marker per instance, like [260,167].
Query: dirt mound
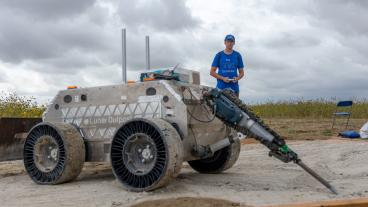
[187,201]
[11,168]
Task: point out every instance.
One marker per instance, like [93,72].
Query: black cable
[204,121]
[195,118]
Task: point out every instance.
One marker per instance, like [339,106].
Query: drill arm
[231,111]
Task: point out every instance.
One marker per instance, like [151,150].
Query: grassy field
[310,119]
[301,109]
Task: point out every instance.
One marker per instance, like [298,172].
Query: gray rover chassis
[99,111]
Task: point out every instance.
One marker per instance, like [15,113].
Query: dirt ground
[255,180]
[187,202]
[308,129]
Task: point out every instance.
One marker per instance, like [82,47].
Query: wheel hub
[147,153]
[46,153]
[139,154]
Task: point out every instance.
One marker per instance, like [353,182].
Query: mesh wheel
[53,153]
[146,154]
[222,160]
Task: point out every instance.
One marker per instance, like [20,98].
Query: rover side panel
[99,111]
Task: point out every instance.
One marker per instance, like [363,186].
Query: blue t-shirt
[228,66]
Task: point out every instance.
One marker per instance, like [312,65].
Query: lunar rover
[146,130]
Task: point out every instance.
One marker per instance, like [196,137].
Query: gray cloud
[297,39]
[2,78]
[45,10]
[347,17]
[291,49]
[338,16]
[79,43]
[322,55]
[84,36]
[23,38]
[164,15]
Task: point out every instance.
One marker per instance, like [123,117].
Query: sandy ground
[255,180]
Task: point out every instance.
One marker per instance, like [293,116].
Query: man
[228,62]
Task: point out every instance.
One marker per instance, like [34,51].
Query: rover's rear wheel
[53,153]
[222,160]
[146,154]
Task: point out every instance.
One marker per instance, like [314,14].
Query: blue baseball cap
[230,37]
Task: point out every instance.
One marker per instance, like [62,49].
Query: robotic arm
[237,115]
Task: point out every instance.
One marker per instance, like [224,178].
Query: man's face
[229,44]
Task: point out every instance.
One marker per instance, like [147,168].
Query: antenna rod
[123,41]
[148,64]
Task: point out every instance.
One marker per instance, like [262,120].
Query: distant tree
[13,105]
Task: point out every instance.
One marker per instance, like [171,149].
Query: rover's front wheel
[146,154]
[53,153]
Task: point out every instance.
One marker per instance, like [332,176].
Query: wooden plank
[359,202]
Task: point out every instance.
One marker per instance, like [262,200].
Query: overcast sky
[291,49]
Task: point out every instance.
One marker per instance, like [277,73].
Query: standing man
[228,62]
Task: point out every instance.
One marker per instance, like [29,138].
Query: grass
[309,119]
[13,105]
[316,109]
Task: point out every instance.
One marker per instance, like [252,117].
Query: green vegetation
[315,109]
[13,105]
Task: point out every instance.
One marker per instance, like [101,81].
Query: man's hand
[236,79]
[225,79]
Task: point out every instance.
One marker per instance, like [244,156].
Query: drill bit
[316,176]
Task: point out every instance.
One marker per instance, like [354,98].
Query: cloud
[161,15]
[291,49]
[46,10]
[346,17]
[67,42]
[24,38]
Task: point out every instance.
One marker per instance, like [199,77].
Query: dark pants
[237,94]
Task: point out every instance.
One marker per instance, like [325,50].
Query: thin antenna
[176,66]
[148,63]
[123,41]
